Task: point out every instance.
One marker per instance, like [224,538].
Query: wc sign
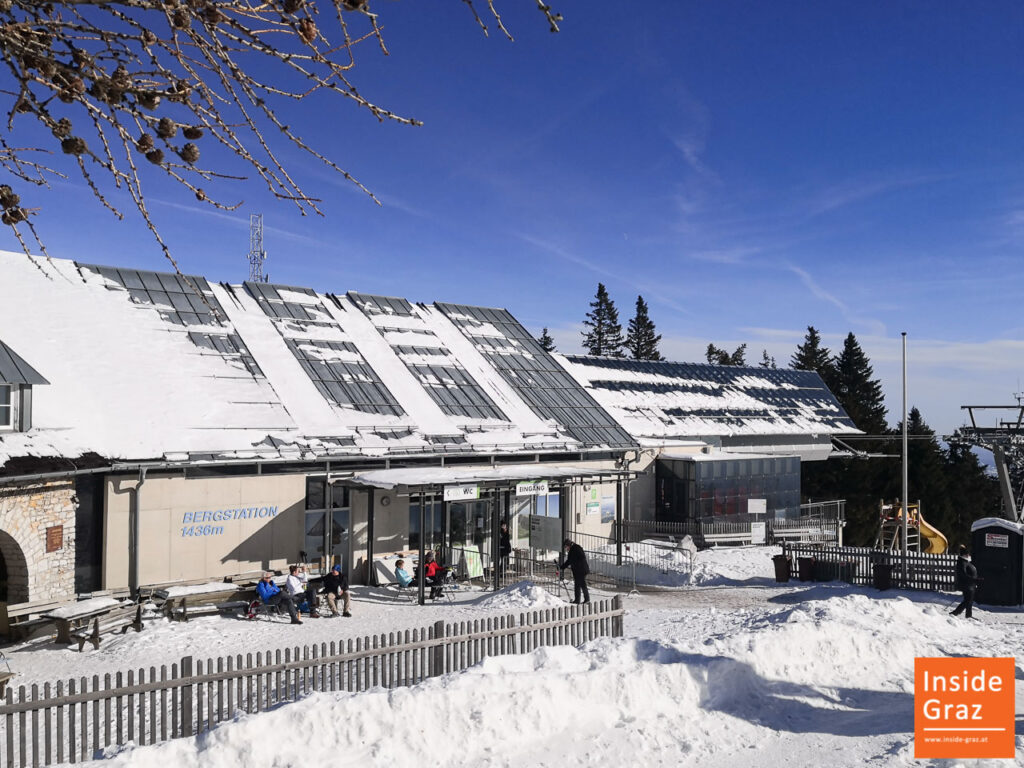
[963,707]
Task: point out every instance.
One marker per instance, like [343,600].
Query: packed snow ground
[741,673]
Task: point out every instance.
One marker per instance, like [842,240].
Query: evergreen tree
[603,336]
[862,482]
[717,356]
[546,342]
[812,356]
[641,340]
[927,479]
[973,493]
[859,393]
[766,361]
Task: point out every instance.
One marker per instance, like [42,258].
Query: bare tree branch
[116,82]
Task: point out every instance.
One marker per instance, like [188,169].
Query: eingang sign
[532,488]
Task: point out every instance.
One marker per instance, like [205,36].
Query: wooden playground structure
[921,536]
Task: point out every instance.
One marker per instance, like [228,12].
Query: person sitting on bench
[335,586]
[403,576]
[271,594]
[434,576]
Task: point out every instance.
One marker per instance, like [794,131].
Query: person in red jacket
[433,573]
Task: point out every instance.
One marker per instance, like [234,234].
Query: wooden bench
[73,616]
[20,621]
[122,617]
[198,601]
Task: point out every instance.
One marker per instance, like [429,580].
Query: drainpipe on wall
[133,536]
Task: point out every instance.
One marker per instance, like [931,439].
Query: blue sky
[750,168]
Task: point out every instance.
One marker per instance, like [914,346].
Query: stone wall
[27,511]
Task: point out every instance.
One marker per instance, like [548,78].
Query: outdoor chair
[403,594]
[258,608]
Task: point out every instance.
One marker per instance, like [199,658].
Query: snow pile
[846,639]
[664,564]
[734,565]
[524,594]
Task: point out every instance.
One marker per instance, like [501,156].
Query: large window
[6,406]
[434,516]
[721,489]
[326,529]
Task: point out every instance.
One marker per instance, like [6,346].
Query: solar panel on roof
[787,397]
[337,368]
[447,382]
[185,301]
[540,381]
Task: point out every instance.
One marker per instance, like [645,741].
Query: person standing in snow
[298,588]
[335,586]
[576,559]
[967,581]
[271,594]
[504,548]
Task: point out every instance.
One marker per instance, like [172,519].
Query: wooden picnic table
[71,617]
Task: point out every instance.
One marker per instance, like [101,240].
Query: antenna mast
[257,256]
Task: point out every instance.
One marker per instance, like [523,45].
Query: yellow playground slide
[933,541]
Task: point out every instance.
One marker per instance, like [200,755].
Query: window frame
[11,408]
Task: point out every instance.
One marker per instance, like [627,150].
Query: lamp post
[906,510]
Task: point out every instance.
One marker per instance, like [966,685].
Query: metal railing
[873,567]
[818,522]
[74,721]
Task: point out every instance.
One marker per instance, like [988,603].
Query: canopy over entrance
[437,477]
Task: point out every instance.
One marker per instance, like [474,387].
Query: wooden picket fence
[74,721]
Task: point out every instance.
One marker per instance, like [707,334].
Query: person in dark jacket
[504,548]
[576,559]
[967,581]
[335,586]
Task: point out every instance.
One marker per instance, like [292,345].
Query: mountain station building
[158,428]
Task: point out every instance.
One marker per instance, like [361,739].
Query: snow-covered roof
[998,522]
[147,365]
[665,401]
[14,370]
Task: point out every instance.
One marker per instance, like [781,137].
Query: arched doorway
[13,571]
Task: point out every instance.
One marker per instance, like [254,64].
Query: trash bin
[997,550]
[882,576]
[782,568]
[847,568]
[805,568]
[824,570]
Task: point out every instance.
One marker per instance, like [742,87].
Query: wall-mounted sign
[758,533]
[607,509]
[593,507]
[198,523]
[54,538]
[997,540]
[532,488]
[461,492]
